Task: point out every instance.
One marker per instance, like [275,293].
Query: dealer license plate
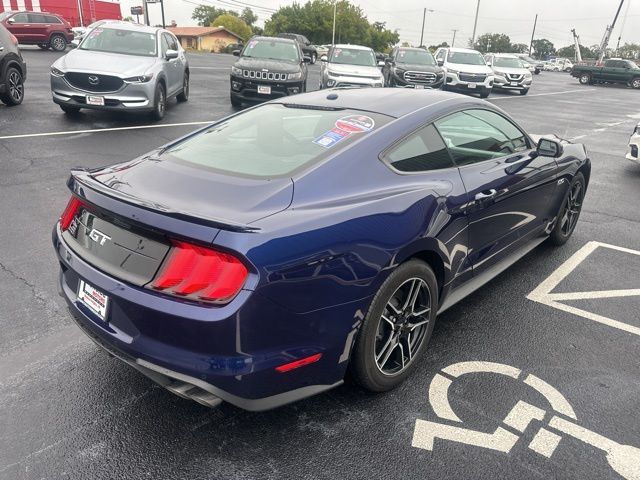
[514,84]
[93,100]
[264,89]
[419,87]
[92,298]
[471,85]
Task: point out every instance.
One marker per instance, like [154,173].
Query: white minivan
[466,70]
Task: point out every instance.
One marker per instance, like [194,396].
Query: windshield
[415,57]
[353,56]
[466,58]
[272,50]
[125,42]
[274,140]
[507,62]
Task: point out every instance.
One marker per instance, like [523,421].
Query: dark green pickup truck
[615,70]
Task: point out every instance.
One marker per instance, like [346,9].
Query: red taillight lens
[298,363]
[14,39]
[69,212]
[200,273]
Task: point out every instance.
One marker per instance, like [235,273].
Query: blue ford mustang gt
[258,259]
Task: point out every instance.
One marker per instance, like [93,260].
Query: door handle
[486,194]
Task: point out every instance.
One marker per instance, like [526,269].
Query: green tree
[233,24]
[493,42]
[433,48]
[248,16]
[205,14]
[314,19]
[629,50]
[543,48]
[519,48]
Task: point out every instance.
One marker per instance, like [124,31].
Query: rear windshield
[466,58]
[271,49]
[415,57]
[507,62]
[274,140]
[126,42]
[353,56]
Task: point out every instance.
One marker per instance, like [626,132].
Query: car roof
[414,49]
[354,47]
[461,50]
[394,102]
[133,27]
[273,39]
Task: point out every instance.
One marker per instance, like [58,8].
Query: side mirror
[549,148]
[171,54]
[323,58]
[74,43]
[440,63]
[11,21]
[306,58]
[236,53]
[381,63]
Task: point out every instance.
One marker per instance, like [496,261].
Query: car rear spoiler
[81,178]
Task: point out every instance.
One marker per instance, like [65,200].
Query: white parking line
[99,130]
[545,94]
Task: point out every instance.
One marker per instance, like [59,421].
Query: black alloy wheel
[15,88]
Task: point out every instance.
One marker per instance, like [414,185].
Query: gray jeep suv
[122,67]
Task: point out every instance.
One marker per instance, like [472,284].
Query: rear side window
[52,19]
[37,18]
[422,151]
[477,135]
[274,140]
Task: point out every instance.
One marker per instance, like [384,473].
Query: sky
[513,17]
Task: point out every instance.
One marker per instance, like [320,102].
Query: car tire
[69,109]
[585,79]
[14,82]
[58,43]
[159,102]
[524,92]
[635,83]
[44,46]
[235,102]
[373,366]
[569,212]
[536,72]
[314,57]
[485,92]
[183,96]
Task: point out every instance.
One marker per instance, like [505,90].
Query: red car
[39,28]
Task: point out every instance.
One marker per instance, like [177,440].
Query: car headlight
[332,74]
[139,78]
[295,76]
[527,75]
[451,70]
[56,73]
[236,71]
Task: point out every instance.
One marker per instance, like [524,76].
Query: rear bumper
[207,353]
[634,149]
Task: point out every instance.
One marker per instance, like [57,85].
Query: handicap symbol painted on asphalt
[623,459]
[544,294]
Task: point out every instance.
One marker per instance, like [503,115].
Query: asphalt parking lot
[564,318]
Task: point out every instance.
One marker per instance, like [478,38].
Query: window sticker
[355,123]
[329,139]
[252,43]
[344,127]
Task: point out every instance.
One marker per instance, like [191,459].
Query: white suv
[466,70]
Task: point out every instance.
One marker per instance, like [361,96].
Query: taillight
[69,212]
[14,39]
[200,273]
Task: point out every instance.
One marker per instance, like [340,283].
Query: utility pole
[162,10]
[475,24]
[535,21]
[80,13]
[146,12]
[424,17]
[607,34]
[333,34]
[453,41]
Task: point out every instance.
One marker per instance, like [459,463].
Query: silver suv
[122,67]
